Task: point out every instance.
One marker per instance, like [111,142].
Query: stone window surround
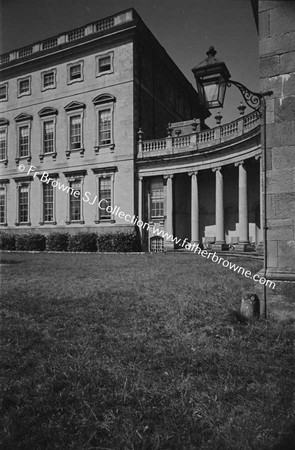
[48,114]
[42,221]
[23,182]
[97,59]
[21,121]
[43,74]
[19,81]
[75,109]
[6,88]
[78,175]
[3,185]
[4,123]
[76,80]
[104,173]
[102,102]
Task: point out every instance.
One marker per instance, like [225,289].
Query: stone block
[269,66]
[280,181]
[280,206]
[270,111]
[272,84]
[283,157]
[286,254]
[280,134]
[284,109]
[288,84]
[277,45]
[265,5]
[287,62]
[272,254]
[280,233]
[282,18]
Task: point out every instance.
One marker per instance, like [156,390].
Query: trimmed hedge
[7,241]
[119,242]
[58,242]
[31,242]
[82,242]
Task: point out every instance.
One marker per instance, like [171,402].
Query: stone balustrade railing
[198,140]
[67,38]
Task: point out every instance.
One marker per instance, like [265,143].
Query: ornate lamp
[212,78]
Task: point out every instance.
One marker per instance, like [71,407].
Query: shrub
[119,242]
[31,242]
[7,241]
[82,242]
[58,242]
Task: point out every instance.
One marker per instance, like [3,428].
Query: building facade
[71,107]
[99,117]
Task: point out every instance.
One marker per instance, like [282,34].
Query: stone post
[169,244]
[219,211]
[194,208]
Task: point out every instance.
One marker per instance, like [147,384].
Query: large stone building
[72,107]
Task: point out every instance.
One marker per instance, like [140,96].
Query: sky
[185,28]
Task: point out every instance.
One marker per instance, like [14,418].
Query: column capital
[239,163]
[257,157]
[140,177]
[216,169]
[194,172]
[168,176]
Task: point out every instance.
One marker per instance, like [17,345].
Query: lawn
[138,351]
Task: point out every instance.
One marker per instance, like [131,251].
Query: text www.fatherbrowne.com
[103,204]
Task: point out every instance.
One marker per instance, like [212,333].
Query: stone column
[169,245]
[194,208]
[243,244]
[219,211]
[140,179]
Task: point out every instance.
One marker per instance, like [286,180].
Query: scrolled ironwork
[253,99]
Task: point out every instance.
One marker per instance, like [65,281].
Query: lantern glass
[214,91]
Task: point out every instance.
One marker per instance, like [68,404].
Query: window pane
[75,72]
[75,132]
[104,64]
[105,127]
[23,204]
[24,141]
[2,144]
[75,202]
[105,193]
[157,198]
[48,203]
[3,92]
[48,136]
[24,86]
[2,205]
[48,79]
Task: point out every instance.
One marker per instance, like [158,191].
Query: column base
[244,247]
[260,248]
[219,246]
[168,246]
[280,300]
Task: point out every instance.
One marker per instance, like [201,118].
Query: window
[75,72]
[24,86]
[104,64]
[48,124]
[48,80]
[2,205]
[3,140]
[48,203]
[75,132]
[157,244]
[157,198]
[104,105]
[104,126]
[75,127]
[23,141]
[4,92]
[75,200]
[23,204]
[23,128]
[48,136]
[105,193]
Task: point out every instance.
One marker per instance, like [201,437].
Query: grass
[138,352]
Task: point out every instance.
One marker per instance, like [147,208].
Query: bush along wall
[31,242]
[79,242]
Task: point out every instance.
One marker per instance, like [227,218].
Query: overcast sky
[186,28]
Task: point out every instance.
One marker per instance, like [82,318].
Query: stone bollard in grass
[250,306]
